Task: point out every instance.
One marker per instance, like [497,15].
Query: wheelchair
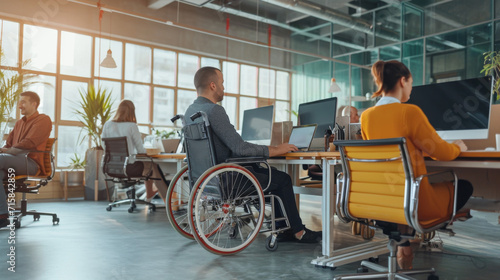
[221,206]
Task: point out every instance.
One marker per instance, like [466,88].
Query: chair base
[391,272]
[21,212]
[132,202]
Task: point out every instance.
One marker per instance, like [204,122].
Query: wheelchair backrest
[200,152]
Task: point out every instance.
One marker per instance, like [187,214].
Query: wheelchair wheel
[177,203]
[223,209]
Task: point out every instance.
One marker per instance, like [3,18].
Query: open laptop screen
[302,136]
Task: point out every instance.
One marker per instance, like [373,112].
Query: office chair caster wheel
[133,206]
[152,208]
[17,224]
[428,236]
[109,208]
[373,260]
[269,246]
[55,221]
[36,217]
[131,209]
[433,277]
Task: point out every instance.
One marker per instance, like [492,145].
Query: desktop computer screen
[320,112]
[257,125]
[458,109]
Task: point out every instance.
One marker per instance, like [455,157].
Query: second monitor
[320,112]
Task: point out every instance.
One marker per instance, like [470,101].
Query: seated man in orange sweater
[389,118]
[30,133]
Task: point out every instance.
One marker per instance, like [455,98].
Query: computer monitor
[458,109]
[320,112]
[257,125]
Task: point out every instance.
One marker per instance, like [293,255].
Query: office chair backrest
[115,156]
[200,152]
[48,169]
[378,176]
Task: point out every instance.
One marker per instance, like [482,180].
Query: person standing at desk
[208,82]
[125,124]
[389,118]
[30,133]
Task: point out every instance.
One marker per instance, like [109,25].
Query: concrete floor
[91,243]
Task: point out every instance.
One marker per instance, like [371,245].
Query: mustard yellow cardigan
[407,120]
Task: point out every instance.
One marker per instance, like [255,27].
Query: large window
[159,81]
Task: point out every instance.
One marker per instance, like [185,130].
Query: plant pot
[170,145]
[95,185]
[75,177]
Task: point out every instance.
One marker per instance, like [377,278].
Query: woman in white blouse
[125,124]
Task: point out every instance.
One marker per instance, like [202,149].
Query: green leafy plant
[165,134]
[94,110]
[76,162]
[12,84]
[491,67]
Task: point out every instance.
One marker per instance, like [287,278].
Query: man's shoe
[310,236]
[4,222]
[286,236]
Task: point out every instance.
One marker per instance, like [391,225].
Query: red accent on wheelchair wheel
[225,208]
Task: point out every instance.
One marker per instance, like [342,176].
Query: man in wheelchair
[228,143]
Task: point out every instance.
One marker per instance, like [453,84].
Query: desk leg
[65,187]
[328,207]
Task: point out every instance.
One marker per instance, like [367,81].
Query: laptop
[302,136]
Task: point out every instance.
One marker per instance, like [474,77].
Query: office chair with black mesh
[115,164]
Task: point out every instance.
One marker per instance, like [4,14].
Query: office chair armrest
[438,173]
[339,204]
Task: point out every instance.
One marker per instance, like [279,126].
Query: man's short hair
[204,76]
[33,97]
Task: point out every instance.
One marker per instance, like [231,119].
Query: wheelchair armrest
[245,160]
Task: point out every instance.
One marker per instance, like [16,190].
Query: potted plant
[74,175]
[491,68]
[11,86]
[94,109]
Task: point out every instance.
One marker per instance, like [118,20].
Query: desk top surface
[480,154]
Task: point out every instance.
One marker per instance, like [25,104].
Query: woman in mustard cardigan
[389,118]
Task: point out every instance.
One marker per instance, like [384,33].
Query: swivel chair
[115,164]
[378,187]
[42,178]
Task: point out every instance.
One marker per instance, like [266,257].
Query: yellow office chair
[378,185]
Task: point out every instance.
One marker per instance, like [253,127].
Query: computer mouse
[490,149]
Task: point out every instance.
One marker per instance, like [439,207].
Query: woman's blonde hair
[125,112]
[387,74]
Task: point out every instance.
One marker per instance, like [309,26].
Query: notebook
[302,136]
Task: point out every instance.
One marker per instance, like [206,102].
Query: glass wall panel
[449,15]
[413,22]
[139,94]
[248,84]
[341,75]
[390,53]
[388,25]
[45,87]
[231,74]
[282,85]
[184,99]
[70,99]
[362,84]
[40,45]
[68,143]
[413,58]
[165,66]
[188,65]
[163,108]
[10,42]
[267,83]
[137,63]
[116,48]
[75,54]
[229,104]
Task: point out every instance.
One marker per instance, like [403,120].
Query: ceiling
[349,24]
